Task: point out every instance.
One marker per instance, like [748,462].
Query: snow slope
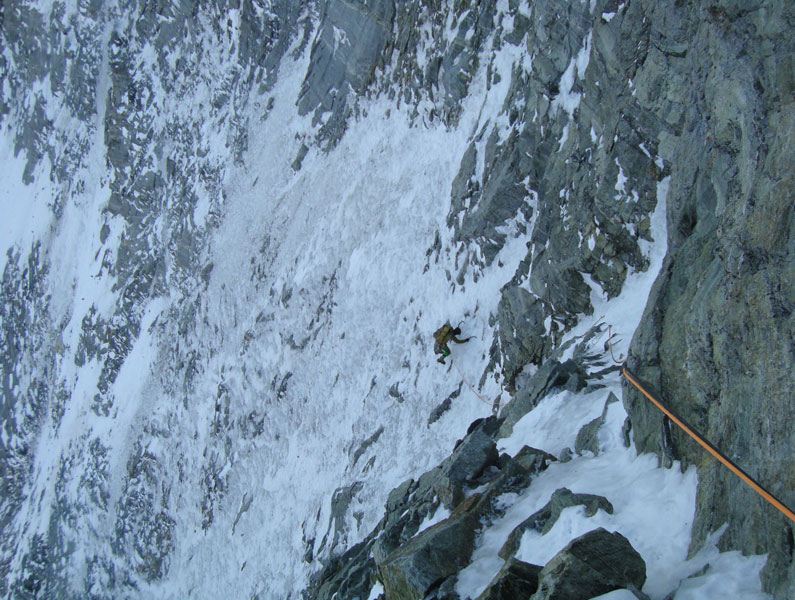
[300,362]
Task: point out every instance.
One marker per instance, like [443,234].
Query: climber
[443,336]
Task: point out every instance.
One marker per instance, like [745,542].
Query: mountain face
[230,230]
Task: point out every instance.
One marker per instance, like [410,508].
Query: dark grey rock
[587,437]
[345,53]
[444,406]
[514,477]
[411,502]
[446,591]
[722,304]
[398,497]
[500,198]
[340,502]
[366,444]
[552,374]
[593,564]
[395,392]
[349,575]
[299,158]
[545,518]
[489,425]
[437,412]
[429,558]
[516,579]
[396,530]
[521,335]
[474,454]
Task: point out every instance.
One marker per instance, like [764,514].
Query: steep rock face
[345,53]
[669,89]
[716,338]
[577,160]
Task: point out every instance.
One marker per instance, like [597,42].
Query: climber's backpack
[443,334]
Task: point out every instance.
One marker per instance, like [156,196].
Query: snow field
[363,216]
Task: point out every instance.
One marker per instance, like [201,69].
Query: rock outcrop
[345,54]
[545,518]
[418,567]
[591,565]
[516,579]
[716,338]
[414,563]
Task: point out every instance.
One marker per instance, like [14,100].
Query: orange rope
[709,447]
[610,336]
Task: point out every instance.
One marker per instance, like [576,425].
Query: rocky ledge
[430,526]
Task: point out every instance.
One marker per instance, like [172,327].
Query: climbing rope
[700,439]
[684,426]
[469,385]
[610,337]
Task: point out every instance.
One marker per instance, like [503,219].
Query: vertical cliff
[716,338]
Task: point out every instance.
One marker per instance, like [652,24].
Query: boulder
[588,436]
[517,472]
[592,564]
[423,563]
[545,518]
[476,452]
[516,579]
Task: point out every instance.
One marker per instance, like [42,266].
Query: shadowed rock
[516,579]
[593,564]
[545,518]
[429,558]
